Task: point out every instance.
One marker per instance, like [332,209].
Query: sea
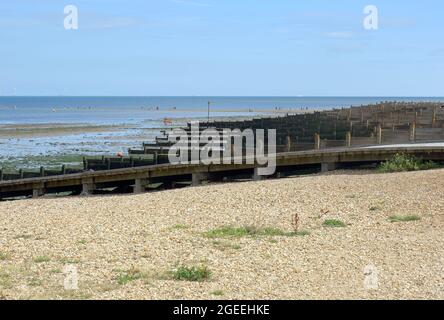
[24,144]
[149,110]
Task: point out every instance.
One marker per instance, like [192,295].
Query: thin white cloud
[110,22]
[339,35]
[192,3]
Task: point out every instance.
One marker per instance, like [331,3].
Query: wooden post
[412,132]
[379,134]
[1,174]
[434,117]
[288,144]
[42,171]
[63,169]
[317,144]
[348,139]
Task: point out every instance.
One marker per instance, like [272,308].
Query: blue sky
[222,47]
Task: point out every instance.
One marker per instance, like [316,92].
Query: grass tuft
[194,273]
[217,293]
[238,232]
[180,227]
[3,256]
[41,259]
[127,276]
[5,280]
[406,218]
[333,223]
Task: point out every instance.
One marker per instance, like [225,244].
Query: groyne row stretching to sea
[320,134]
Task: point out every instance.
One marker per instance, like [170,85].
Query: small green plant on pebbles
[405,162]
[41,259]
[406,218]
[194,273]
[333,223]
[250,231]
[180,227]
[128,276]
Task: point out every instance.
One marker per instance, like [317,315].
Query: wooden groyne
[140,179]
[314,136]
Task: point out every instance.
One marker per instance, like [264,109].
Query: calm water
[139,113]
[118,110]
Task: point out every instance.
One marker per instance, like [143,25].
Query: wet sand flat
[56,129]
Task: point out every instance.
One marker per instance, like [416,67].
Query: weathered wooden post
[434,117]
[379,134]
[412,132]
[42,171]
[288,143]
[21,173]
[1,174]
[317,144]
[348,139]
[156,161]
